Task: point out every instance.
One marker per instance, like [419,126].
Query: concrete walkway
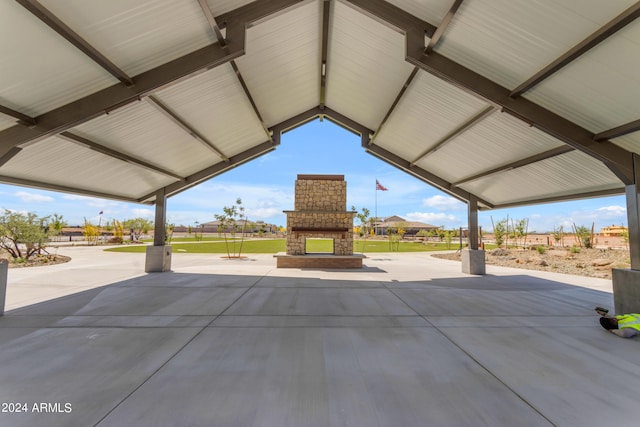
[407,341]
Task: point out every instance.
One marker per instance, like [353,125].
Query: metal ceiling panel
[508,41]
[432,11]
[40,70]
[366,66]
[143,132]
[83,168]
[215,104]
[599,90]
[497,140]
[429,110]
[282,63]
[570,173]
[136,36]
[630,142]
[6,122]
[219,7]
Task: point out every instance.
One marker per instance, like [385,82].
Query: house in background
[394,222]
[614,231]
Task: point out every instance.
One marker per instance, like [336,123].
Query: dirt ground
[34,261]
[587,262]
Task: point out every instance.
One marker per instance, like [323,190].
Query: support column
[473,261]
[626,281]
[159,256]
[4,270]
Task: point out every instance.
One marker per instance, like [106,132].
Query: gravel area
[587,262]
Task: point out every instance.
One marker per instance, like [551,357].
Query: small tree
[558,235]
[118,231]
[168,232]
[229,225]
[499,231]
[448,236]
[363,217]
[23,235]
[56,224]
[519,231]
[90,232]
[584,236]
[394,239]
[402,229]
[138,227]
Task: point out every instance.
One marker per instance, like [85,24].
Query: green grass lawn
[272,246]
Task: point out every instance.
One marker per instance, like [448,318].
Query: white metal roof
[508,102]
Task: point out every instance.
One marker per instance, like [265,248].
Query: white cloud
[443,203]
[433,218]
[33,197]
[613,211]
[143,213]
[263,213]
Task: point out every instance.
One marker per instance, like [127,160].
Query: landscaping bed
[581,262]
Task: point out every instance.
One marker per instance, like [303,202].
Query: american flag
[380,186]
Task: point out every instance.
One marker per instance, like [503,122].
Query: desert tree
[137,227]
[231,220]
[23,235]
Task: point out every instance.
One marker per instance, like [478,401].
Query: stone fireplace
[320,212]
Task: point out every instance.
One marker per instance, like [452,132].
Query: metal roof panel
[497,140]
[599,90]
[40,69]
[570,173]
[431,11]
[216,106]
[509,41]
[143,132]
[137,36]
[282,65]
[83,168]
[429,110]
[366,66]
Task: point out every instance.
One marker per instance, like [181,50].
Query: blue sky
[266,187]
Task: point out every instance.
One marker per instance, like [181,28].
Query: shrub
[23,235]
[541,249]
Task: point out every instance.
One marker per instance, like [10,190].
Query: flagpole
[375,224]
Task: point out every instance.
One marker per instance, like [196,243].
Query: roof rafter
[72,37]
[99,148]
[564,198]
[518,164]
[221,40]
[618,131]
[9,155]
[113,97]
[393,16]
[486,112]
[89,107]
[326,10]
[23,119]
[423,175]
[433,41]
[617,159]
[211,171]
[182,124]
[406,85]
[593,40]
[62,188]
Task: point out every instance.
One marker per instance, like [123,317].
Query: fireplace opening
[321,246]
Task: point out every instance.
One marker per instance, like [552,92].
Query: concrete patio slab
[407,341]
